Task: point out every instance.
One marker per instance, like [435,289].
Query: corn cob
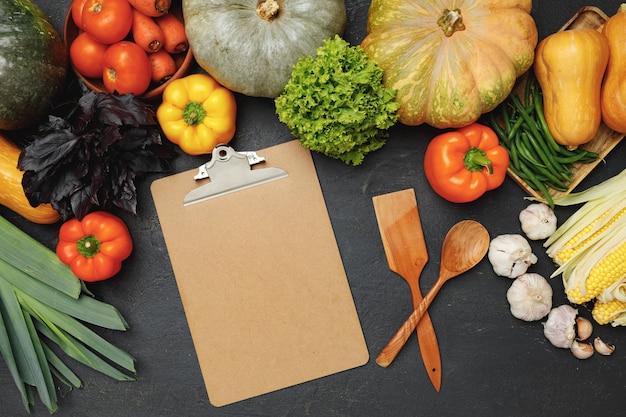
[577,242]
[590,247]
[611,269]
[608,312]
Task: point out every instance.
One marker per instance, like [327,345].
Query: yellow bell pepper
[197,114]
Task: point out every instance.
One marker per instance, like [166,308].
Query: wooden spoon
[403,240]
[465,245]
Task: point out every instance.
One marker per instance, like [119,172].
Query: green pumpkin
[33,64]
[251,46]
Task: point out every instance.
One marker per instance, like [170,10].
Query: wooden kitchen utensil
[464,246]
[405,248]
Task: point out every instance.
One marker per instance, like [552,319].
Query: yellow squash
[11,192]
[450,61]
[613,97]
[569,66]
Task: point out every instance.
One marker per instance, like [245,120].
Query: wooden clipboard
[261,280]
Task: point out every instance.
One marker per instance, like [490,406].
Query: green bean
[497,128]
[534,155]
[524,152]
[548,158]
[540,187]
[576,157]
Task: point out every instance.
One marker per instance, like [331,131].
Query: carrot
[146,32]
[163,66]
[152,8]
[174,32]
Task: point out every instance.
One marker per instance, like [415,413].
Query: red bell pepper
[462,165]
[95,246]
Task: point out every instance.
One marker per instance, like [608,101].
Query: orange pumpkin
[450,65]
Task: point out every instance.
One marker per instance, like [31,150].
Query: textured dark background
[493,364]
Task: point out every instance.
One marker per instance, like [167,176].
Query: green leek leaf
[60,370]
[80,332]
[84,307]
[29,255]
[76,350]
[43,364]
[19,336]
[9,359]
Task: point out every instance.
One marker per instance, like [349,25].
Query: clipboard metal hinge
[230,171]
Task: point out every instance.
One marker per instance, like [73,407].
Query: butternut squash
[569,66]
[12,194]
[613,96]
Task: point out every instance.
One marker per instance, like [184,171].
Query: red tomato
[77,12]
[127,69]
[107,21]
[87,55]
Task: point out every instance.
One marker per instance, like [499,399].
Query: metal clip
[252,156]
[230,171]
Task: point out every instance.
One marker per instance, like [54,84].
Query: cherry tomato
[127,68]
[87,55]
[107,21]
[77,12]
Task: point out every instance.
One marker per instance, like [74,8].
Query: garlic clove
[582,350]
[584,328]
[603,348]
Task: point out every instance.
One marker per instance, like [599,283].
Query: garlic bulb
[559,328]
[538,221]
[530,297]
[510,255]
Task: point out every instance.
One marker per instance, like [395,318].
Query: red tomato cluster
[123,46]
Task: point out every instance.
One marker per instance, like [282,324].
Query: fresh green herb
[535,156]
[35,313]
[91,152]
[336,104]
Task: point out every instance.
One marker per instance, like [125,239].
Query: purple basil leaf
[124,109]
[89,154]
[48,150]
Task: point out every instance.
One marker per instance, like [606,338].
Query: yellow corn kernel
[573,245]
[604,313]
[603,274]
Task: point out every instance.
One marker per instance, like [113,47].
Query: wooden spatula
[403,239]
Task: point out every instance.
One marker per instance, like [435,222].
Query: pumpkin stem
[267,9]
[451,21]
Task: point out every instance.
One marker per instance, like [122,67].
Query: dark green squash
[33,64]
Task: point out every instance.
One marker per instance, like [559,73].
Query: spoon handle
[393,347]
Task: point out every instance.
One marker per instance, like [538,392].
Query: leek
[42,303]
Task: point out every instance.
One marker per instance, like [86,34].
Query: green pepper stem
[193,113]
[88,246]
[476,159]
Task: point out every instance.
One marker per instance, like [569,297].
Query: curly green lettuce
[335,103]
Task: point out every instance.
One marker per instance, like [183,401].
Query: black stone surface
[492,363]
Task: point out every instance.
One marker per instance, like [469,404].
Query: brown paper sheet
[261,280]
